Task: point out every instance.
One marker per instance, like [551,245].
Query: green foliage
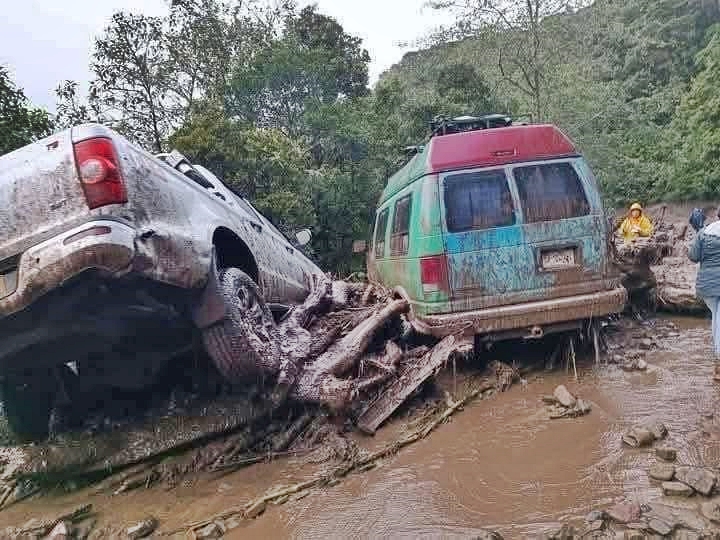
[694,135]
[313,63]
[20,123]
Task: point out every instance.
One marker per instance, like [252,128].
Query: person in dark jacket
[706,251]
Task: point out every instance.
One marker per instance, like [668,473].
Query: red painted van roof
[497,146]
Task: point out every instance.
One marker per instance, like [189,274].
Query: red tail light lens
[99,171]
[433,273]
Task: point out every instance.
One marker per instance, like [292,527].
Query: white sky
[44,42]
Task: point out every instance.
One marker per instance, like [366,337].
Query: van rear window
[478,200]
[550,191]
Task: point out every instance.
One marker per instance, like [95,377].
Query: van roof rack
[442,125]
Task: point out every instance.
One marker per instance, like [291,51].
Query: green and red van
[495,230]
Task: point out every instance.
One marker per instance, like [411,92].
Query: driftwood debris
[355,464]
[412,374]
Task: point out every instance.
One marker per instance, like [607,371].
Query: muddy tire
[28,403]
[245,342]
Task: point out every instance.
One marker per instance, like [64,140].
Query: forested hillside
[276,99]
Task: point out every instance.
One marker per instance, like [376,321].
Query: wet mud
[500,464]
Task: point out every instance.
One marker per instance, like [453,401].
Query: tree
[526,47]
[694,134]
[130,63]
[20,123]
[314,62]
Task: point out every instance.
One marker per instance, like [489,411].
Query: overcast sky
[46,41]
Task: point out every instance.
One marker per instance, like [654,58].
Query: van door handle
[256,226]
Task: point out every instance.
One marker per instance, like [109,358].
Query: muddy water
[500,464]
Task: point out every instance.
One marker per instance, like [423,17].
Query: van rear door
[525,232]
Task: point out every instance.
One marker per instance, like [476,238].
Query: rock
[662,471]
[564,397]
[658,430]
[711,510]
[142,529]
[232,523]
[61,531]
[638,437]
[667,453]
[214,530]
[701,480]
[660,527]
[677,489]
[624,512]
[255,510]
[595,515]
[646,344]
[488,535]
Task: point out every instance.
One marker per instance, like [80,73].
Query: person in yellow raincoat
[636,224]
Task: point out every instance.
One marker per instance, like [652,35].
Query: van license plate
[561,258]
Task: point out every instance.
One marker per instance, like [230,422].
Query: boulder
[624,512]
[666,453]
[663,472]
[140,530]
[677,489]
[701,480]
[711,510]
[660,527]
[564,397]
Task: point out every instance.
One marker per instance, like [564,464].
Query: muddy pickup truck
[112,262]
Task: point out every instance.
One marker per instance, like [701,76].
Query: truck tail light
[99,171]
[433,274]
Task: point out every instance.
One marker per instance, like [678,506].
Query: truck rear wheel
[245,342]
[28,402]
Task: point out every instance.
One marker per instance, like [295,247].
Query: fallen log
[412,374]
[319,382]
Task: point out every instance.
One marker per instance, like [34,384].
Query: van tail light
[99,171]
[433,274]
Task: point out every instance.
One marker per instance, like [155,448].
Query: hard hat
[636,206]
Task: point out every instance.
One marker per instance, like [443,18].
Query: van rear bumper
[527,316]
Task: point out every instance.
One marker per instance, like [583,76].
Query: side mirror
[303,237]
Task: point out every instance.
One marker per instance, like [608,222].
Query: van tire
[245,341]
[28,402]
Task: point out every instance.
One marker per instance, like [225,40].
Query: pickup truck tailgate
[39,193]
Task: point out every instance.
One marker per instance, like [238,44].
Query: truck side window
[380,228]
[400,235]
[551,191]
[478,200]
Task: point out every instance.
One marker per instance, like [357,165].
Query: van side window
[400,235]
[478,200]
[380,229]
[550,192]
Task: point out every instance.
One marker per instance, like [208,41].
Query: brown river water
[499,464]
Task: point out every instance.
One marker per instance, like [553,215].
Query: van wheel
[245,342]
[28,401]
